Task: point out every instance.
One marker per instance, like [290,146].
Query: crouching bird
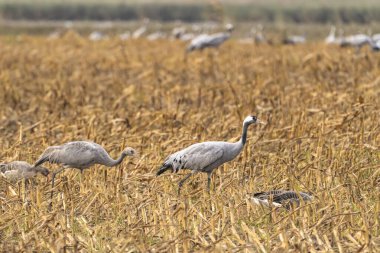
[18,170]
[281,198]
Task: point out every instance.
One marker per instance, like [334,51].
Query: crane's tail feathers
[164,168]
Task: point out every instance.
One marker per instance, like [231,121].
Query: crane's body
[96,36]
[357,40]
[213,40]
[80,155]
[206,156]
[281,198]
[139,32]
[18,170]
[294,39]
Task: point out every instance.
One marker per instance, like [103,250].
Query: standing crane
[281,198]
[206,156]
[80,155]
[331,38]
[18,170]
[258,35]
[214,40]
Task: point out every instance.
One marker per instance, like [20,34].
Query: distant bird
[187,36]
[258,36]
[294,39]
[357,41]
[206,156]
[18,170]
[331,39]
[281,198]
[96,36]
[80,155]
[125,36]
[376,37]
[139,32]
[214,40]
[177,32]
[156,35]
[180,33]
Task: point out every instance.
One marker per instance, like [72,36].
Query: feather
[280,198]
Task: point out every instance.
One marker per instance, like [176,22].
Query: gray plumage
[357,41]
[375,45]
[80,155]
[213,40]
[258,35]
[18,170]
[294,39]
[206,156]
[281,198]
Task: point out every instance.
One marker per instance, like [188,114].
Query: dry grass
[321,104]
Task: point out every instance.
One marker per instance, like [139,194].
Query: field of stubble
[321,105]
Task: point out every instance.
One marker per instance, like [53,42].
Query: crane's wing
[269,194]
[286,197]
[51,154]
[217,39]
[291,196]
[74,154]
[198,42]
[197,157]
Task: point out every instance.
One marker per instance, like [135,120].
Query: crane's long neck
[109,162]
[238,146]
[243,138]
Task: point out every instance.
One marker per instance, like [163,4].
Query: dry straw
[321,104]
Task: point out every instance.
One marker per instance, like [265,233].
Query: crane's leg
[180,184]
[52,185]
[208,182]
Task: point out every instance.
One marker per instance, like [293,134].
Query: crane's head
[252,120]
[229,27]
[43,171]
[129,152]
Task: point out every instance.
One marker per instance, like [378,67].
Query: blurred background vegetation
[287,11]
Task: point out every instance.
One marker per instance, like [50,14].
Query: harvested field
[321,105]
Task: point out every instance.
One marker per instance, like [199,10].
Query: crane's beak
[260,122]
